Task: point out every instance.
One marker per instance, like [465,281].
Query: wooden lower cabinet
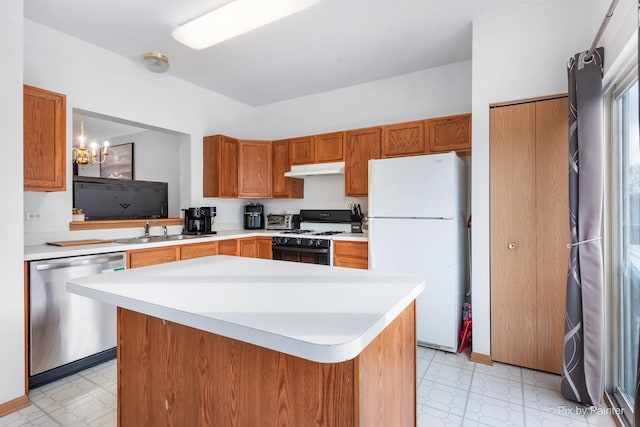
[351,254]
[248,247]
[264,247]
[143,257]
[197,250]
[228,247]
[174,375]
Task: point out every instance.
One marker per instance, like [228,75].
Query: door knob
[511,246]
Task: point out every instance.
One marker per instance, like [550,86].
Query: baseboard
[14,405]
[484,359]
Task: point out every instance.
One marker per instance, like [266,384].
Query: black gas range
[312,242]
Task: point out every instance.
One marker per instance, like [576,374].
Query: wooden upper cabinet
[324,148]
[329,147]
[44,115]
[404,139]
[452,133]
[362,146]
[302,150]
[254,170]
[281,186]
[219,166]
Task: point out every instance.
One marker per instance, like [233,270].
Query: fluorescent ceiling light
[235,18]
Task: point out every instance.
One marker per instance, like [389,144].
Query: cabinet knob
[511,246]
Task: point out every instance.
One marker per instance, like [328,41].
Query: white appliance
[417,225]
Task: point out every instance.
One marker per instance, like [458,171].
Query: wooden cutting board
[78,242]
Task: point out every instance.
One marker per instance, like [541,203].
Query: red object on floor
[465,334]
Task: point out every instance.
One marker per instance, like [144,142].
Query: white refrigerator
[417,225]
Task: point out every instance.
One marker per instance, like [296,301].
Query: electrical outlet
[34,216]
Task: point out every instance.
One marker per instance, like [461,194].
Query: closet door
[552,217]
[529,232]
[513,234]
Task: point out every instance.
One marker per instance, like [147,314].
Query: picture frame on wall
[119,162]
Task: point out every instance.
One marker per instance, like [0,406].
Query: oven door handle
[306,250]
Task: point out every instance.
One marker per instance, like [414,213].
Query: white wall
[156,157]
[97,80]
[11,290]
[517,54]
[435,92]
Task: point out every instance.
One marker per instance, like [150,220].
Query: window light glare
[235,18]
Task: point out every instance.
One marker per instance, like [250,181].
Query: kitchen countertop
[322,314]
[38,252]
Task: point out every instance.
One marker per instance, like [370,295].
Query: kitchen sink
[153,239]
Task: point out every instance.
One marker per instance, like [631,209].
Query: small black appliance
[199,220]
[253,216]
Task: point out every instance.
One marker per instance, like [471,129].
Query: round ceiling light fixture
[156,62]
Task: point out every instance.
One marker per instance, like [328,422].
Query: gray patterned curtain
[583,364]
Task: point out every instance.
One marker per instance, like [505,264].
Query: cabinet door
[144,257]
[254,169]
[513,234]
[248,247]
[302,150]
[452,133]
[219,166]
[404,139]
[329,147]
[228,247]
[552,229]
[351,254]
[264,247]
[44,115]
[362,146]
[197,250]
[281,186]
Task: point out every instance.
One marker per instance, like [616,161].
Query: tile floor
[452,391]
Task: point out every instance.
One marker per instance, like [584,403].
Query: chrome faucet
[146,229]
[164,230]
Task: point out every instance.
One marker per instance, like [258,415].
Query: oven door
[307,255]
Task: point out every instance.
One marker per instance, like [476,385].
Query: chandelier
[82,154]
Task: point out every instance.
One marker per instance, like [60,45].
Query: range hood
[302,171]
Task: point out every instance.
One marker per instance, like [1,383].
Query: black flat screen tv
[106,198]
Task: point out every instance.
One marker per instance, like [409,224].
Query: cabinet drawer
[198,250]
[144,257]
[344,261]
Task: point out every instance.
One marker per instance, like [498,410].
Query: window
[625,295]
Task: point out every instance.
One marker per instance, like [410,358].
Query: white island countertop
[319,313]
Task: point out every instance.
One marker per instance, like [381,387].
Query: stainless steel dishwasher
[67,332]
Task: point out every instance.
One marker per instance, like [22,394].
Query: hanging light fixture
[83,155]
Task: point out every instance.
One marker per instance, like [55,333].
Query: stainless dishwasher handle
[54,265]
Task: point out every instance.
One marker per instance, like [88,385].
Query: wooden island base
[173,375]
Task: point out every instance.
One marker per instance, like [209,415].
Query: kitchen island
[238,341]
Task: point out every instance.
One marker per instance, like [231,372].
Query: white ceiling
[334,44]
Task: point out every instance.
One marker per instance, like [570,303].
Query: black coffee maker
[253,216]
[199,220]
